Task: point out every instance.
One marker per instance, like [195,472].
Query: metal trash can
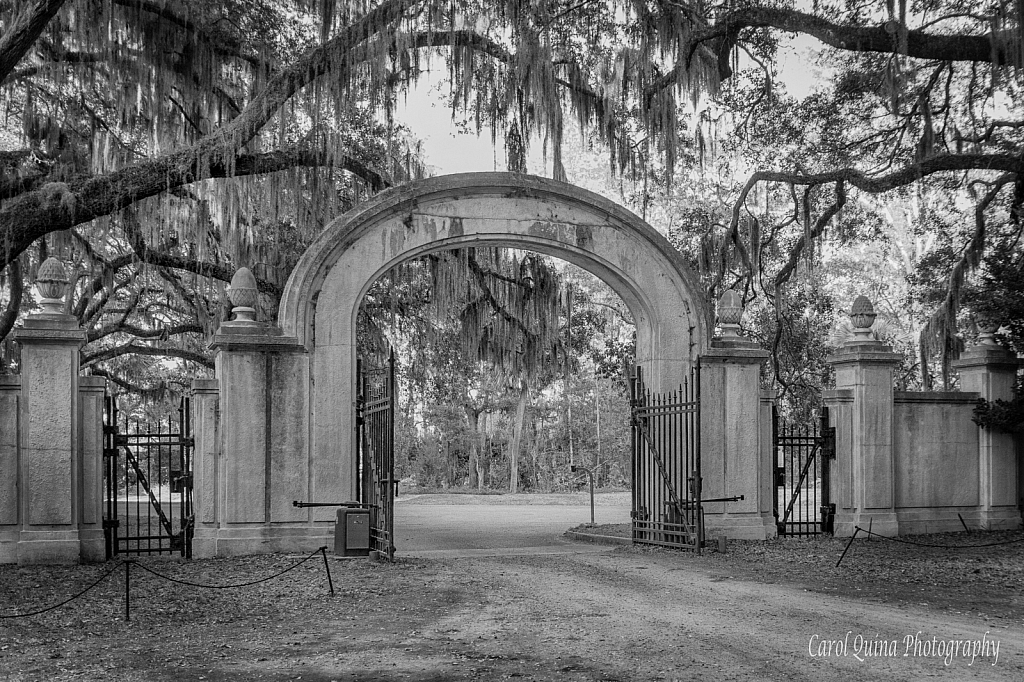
[352,532]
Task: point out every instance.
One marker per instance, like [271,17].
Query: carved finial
[987,328]
[51,284]
[862,315]
[730,312]
[243,294]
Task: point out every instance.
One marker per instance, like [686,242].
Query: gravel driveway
[476,525]
[779,610]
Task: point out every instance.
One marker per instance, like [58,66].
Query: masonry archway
[277,425]
[323,294]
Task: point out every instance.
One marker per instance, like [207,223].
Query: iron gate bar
[169,484]
[811,459]
[375,425]
[153,499]
[802,453]
[661,469]
[665,440]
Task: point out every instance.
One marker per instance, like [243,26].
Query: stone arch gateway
[278,423]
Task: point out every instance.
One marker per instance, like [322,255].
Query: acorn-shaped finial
[51,284]
[242,293]
[862,315]
[730,312]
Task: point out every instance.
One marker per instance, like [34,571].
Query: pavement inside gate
[499,525]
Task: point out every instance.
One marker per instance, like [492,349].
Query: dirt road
[440,526]
[776,611]
[629,616]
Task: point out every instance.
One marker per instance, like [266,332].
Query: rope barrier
[225,587]
[66,601]
[127,583]
[929,544]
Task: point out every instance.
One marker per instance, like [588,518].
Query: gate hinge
[828,442]
[111,523]
[780,476]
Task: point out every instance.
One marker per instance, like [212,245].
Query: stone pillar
[735,438]
[10,399]
[246,483]
[864,404]
[206,478]
[50,469]
[91,391]
[990,370]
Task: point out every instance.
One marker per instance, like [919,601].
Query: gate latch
[181,481]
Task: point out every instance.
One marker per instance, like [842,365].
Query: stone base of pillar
[9,545]
[740,526]
[238,540]
[1000,518]
[923,520]
[94,545]
[49,547]
[882,522]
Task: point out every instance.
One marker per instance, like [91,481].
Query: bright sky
[447,150]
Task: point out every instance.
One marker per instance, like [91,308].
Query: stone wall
[936,464]
[915,462]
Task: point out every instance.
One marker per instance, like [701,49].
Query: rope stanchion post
[128,590]
[856,529]
[327,567]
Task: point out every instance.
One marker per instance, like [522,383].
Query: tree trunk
[517,437]
[481,448]
[474,447]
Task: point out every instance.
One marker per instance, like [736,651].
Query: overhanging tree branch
[221,44]
[140,333]
[22,32]
[169,260]
[997,48]
[59,206]
[132,348]
[146,392]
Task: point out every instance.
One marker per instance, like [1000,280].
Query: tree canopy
[157,145]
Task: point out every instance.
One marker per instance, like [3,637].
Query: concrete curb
[599,539]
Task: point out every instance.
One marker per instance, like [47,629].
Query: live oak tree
[164,143]
[475,329]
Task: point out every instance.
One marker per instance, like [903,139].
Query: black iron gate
[375,442]
[147,483]
[666,464]
[803,456]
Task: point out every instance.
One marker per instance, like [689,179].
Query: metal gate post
[828,453]
[389,454]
